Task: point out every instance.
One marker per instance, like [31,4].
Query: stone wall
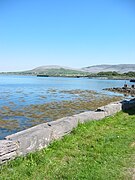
[42,135]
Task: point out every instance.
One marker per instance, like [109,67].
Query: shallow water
[29,100]
[26,90]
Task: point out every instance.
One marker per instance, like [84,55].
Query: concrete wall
[42,135]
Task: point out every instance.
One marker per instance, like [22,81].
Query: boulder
[128,104]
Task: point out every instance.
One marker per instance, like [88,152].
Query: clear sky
[74,33]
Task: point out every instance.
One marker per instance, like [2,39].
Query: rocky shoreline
[124,90]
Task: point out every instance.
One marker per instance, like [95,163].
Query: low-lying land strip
[94,150]
[58,71]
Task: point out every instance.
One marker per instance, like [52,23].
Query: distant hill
[41,69]
[55,70]
[120,68]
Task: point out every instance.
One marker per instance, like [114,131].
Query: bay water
[18,92]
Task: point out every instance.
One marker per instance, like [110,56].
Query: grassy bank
[95,150]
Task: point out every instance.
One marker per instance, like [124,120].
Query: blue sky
[74,33]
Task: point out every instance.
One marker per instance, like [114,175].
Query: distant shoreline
[71,76]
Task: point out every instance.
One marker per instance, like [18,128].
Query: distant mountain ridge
[55,69]
[120,68]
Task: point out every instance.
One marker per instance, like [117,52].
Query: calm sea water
[18,92]
[27,90]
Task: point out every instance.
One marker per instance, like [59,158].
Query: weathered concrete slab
[89,115]
[27,131]
[8,150]
[62,126]
[111,108]
[32,139]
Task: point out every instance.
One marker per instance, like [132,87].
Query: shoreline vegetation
[94,150]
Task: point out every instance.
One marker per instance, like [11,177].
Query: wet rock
[123,90]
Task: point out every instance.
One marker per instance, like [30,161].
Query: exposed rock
[123,90]
[128,104]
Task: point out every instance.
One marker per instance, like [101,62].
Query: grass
[96,150]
